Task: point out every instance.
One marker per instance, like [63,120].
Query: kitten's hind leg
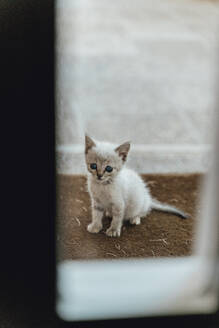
[136,220]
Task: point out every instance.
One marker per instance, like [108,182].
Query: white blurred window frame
[134,288]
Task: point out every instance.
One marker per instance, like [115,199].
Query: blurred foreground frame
[28,265]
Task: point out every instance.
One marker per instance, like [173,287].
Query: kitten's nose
[99,176]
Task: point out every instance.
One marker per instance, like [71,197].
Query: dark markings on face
[103,169]
[100,170]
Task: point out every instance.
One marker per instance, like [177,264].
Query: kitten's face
[103,169]
[104,165]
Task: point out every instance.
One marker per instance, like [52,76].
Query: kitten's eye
[108,168]
[93,166]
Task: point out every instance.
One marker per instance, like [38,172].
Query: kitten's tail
[156,205]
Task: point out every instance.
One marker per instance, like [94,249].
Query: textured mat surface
[160,234]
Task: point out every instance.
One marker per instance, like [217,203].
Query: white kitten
[116,190]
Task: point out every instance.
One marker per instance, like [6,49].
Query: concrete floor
[139,70]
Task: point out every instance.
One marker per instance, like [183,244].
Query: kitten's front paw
[113,232]
[94,227]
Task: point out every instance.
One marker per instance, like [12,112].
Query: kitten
[115,190]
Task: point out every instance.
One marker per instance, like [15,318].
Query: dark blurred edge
[27,262]
[27,282]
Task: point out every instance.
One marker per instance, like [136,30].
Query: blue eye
[108,168]
[93,166]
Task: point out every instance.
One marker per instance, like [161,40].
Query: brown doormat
[160,234]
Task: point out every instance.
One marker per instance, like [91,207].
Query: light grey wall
[142,71]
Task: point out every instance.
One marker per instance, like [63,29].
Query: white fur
[121,194]
[125,198]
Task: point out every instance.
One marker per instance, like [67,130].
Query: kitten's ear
[123,150]
[89,143]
